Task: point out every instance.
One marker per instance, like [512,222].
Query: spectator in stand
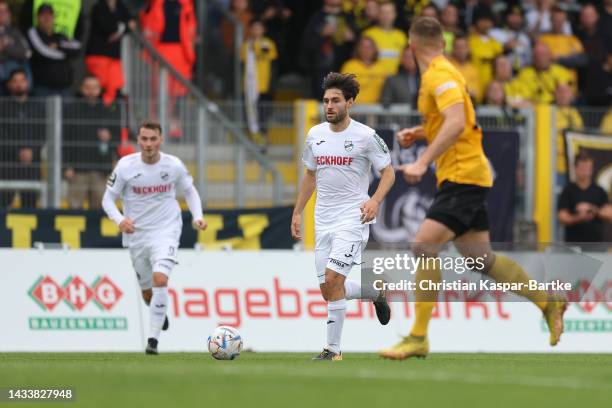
[402,87]
[171,26]
[91,134]
[110,20]
[539,19]
[583,206]
[368,16]
[51,54]
[22,138]
[483,48]
[389,40]
[68,20]
[14,49]
[514,39]
[539,82]
[566,49]
[467,10]
[568,118]
[430,10]
[495,95]
[327,42]
[593,75]
[276,17]
[502,73]
[449,18]
[460,57]
[259,54]
[241,11]
[369,69]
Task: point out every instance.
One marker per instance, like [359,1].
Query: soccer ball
[225,343]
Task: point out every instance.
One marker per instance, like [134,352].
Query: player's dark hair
[580,157]
[150,124]
[346,83]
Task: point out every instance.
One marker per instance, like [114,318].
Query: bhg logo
[75,293]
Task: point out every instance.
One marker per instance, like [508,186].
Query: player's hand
[413,172]
[127,226]
[407,136]
[200,224]
[296,224]
[369,209]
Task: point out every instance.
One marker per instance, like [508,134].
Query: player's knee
[160,279]
[146,295]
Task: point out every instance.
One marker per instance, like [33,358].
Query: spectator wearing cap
[539,81]
[369,69]
[14,49]
[483,48]
[389,40]
[51,54]
[566,49]
[110,20]
[460,58]
[513,37]
[403,87]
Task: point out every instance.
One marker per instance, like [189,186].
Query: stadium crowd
[513,54]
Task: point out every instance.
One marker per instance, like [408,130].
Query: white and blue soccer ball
[225,343]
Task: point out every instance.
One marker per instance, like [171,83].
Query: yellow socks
[505,270]
[425,300]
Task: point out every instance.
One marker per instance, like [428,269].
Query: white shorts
[339,250]
[158,256]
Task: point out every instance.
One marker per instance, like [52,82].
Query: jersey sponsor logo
[334,160]
[164,175]
[445,87]
[163,188]
[348,145]
[111,179]
[381,143]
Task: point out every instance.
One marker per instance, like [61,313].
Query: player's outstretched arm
[306,190]
[108,204]
[451,129]
[369,209]
[407,136]
[194,202]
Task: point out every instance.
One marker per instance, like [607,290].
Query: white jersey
[342,161]
[148,193]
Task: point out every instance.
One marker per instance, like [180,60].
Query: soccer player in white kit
[338,156]
[151,223]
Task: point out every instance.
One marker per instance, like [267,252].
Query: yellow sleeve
[273,53]
[445,90]
[577,119]
[577,45]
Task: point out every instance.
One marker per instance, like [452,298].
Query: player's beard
[338,117]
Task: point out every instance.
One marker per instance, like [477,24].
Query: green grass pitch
[113,380]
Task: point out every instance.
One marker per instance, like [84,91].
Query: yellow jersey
[265,52]
[568,117]
[539,86]
[483,50]
[464,162]
[371,78]
[390,44]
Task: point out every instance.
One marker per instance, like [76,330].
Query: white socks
[336,311]
[352,289]
[157,310]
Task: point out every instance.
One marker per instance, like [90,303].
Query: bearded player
[151,222]
[458,212]
[338,156]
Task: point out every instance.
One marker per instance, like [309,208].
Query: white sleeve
[308,157]
[108,203]
[193,202]
[184,180]
[378,152]
[116,181]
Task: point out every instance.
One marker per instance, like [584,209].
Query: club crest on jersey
[348,145]
[164,175]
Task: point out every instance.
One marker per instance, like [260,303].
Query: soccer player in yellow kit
[458,212]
